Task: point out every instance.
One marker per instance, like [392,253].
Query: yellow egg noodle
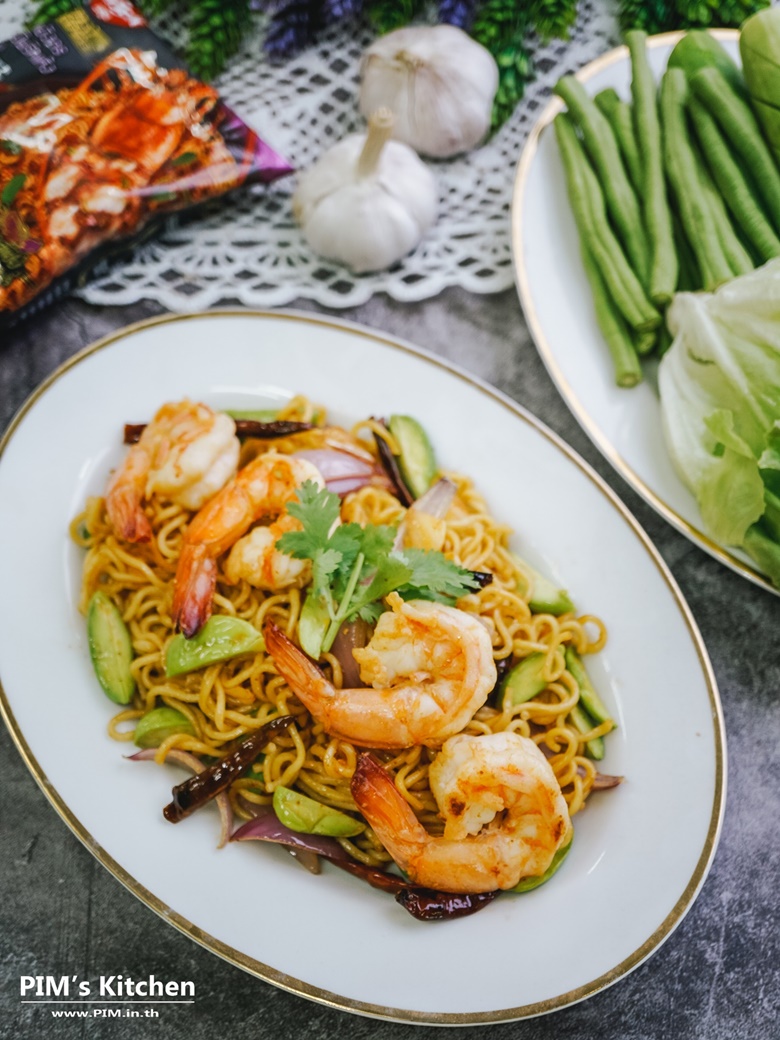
[227,701]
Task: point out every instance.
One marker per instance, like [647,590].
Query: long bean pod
[690,279]
[587,203]
[613,328]
[620,117]
[738,257]
[602,148]
[663,269]
[741,128]
[681,167]
[732,183]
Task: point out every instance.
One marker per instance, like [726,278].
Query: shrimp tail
[126,516]
[391,818]
[299,672]
[196,582]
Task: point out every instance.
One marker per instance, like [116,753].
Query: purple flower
[335,10]
[457,12]
[293,26]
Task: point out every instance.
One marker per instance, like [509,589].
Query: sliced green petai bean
[524,680]
[417,460]
[158,724]
[221,638]
[544,596]
[303,814]
[594,705]
[110,648]
[529,883]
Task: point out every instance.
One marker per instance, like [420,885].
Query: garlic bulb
[368,200]
[438,82]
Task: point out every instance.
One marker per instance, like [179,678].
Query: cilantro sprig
[354,568]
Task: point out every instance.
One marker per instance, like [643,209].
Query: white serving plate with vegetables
[625,422]
[641,852]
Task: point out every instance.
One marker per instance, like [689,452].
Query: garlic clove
[439,83]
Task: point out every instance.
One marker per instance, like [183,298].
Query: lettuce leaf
[720,405]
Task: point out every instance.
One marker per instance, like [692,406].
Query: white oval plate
[641,852]
[625,424]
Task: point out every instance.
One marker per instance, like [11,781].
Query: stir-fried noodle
[229,700]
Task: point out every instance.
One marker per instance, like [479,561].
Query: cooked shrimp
[187,453]
[505,816]
[261,489]
[431,667]
[256,558]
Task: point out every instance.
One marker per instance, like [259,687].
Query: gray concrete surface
[716,978]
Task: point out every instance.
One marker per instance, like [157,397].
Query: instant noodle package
[102,132]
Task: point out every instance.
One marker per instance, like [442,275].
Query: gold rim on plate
[266,972]
[602,442]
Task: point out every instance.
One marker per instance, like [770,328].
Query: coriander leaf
[391,573]
[331,554]
[325,563]
[370,612]
[373,542]
[317,509]
[346,540]
[376,543]
[434,577]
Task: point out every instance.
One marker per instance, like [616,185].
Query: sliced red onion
[437,499]
[341,470]
[603,781]
[184,758]
[435,502]
[347,485]
[309,860]
[267,827]
[352,635]
[336,465]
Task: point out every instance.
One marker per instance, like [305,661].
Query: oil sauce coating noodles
[228,700]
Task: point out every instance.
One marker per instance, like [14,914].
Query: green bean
[602,149]
[690,277]
[644,342]
[682,169]
[587,203]
[738,257]
[732,183]
[613,328]
[740,126]
[664,340]
[663,265]
[620,118]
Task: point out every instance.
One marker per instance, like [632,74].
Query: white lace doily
[247,246]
